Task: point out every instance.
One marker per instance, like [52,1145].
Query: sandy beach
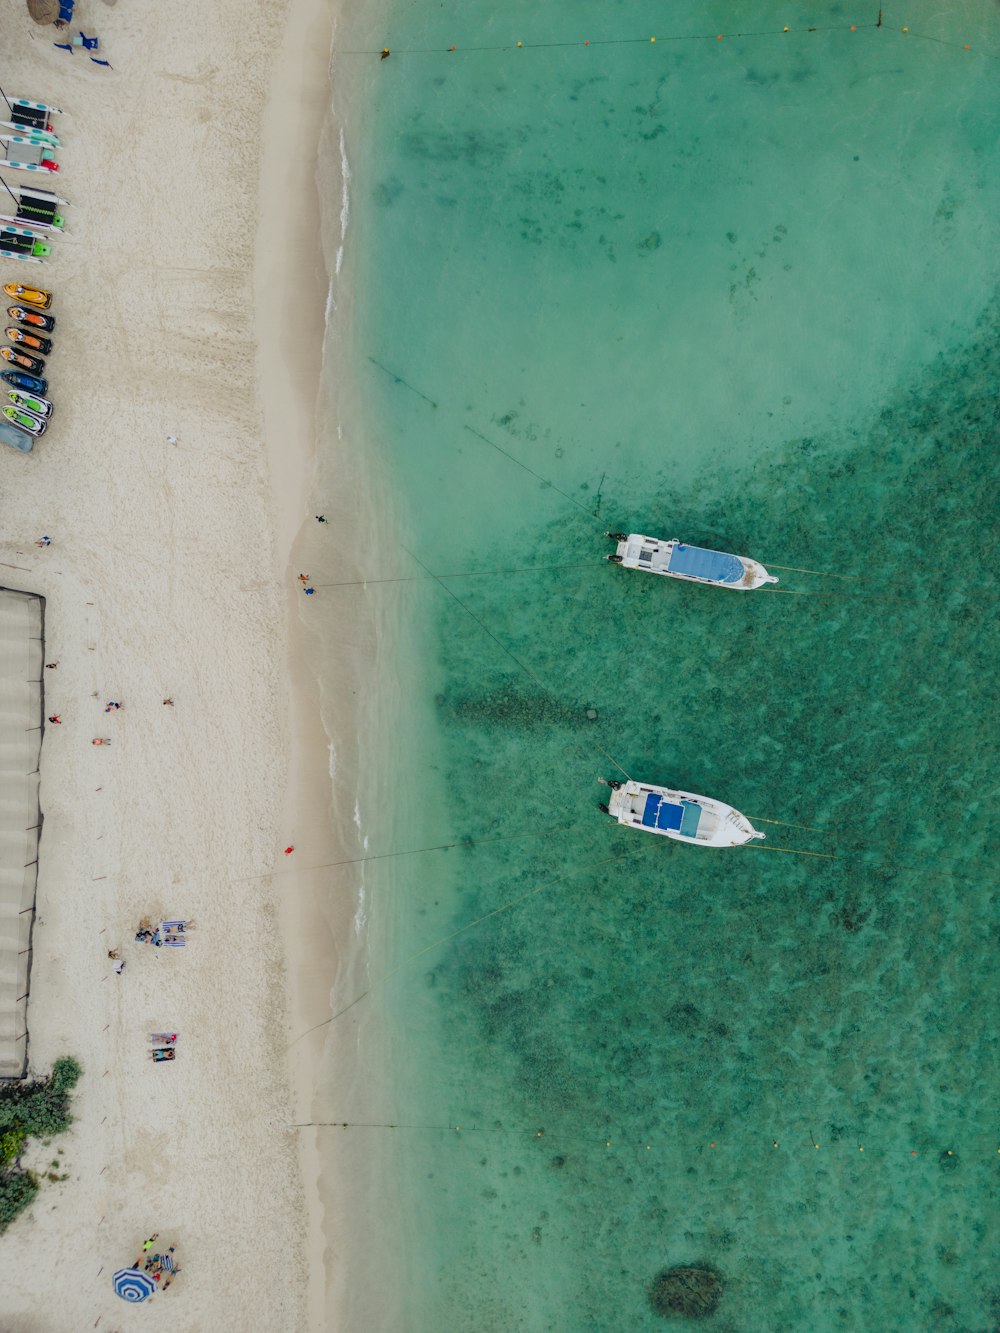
[190,301]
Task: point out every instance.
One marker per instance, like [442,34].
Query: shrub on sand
[40,1107]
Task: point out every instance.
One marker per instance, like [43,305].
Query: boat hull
[30,402]
[29,318]
[29,383]
[35,296]
[683,816]
[33,341]
[26,421]
[15,438]
[34,365]
[655,555]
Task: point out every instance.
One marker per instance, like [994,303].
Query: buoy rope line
[379,982]
[786,31]
[577,1138]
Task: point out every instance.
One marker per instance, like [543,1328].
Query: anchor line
[469,925]
[468,574]
[792,851]
[808,828]
[797,569]
[503,647]
[418,851]
[398,379]
[531,472]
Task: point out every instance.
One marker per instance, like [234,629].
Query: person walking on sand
[322,518]
[168,703]
[45,540]
[55,719]
[309,592]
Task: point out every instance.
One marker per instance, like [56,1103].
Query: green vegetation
[39,1107]
[687,1292]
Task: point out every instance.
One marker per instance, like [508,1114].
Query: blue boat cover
[692,817]
[660,813]
[703,564]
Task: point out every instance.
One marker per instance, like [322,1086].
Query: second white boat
[680,815]
[697,564]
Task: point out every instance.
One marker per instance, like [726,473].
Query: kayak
[44,135]
[35,296]
[33,317]
[26,421]
[22,360]
[41,407]
[29,383]
[17,439]
[33,340]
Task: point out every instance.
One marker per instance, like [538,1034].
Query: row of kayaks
[26,408]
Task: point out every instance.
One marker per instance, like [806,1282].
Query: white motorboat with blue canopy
[697,564]
[680,815]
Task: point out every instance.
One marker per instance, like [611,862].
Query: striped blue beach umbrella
[132,1284]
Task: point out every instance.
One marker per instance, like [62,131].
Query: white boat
[36,208]
[680,815]
[17,254]
[17,165]
[23,154]
[33,111]
[697,564]
[31,134]
[9,224]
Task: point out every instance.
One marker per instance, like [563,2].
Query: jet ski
[31,402]
[33,318]
[33,340]
[28,295]
[26,421]
[34,364]
[29,383]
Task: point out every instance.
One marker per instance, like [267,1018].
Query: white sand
[168,577]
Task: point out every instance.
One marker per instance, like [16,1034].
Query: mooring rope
[531,471]
[467,574]
[446,939]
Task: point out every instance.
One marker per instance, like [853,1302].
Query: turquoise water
[744,293]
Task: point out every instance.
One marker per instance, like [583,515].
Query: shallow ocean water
[743,293]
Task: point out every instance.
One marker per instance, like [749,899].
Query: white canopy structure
[21,669]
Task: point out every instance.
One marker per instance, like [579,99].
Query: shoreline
[170,574]
[285,281]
